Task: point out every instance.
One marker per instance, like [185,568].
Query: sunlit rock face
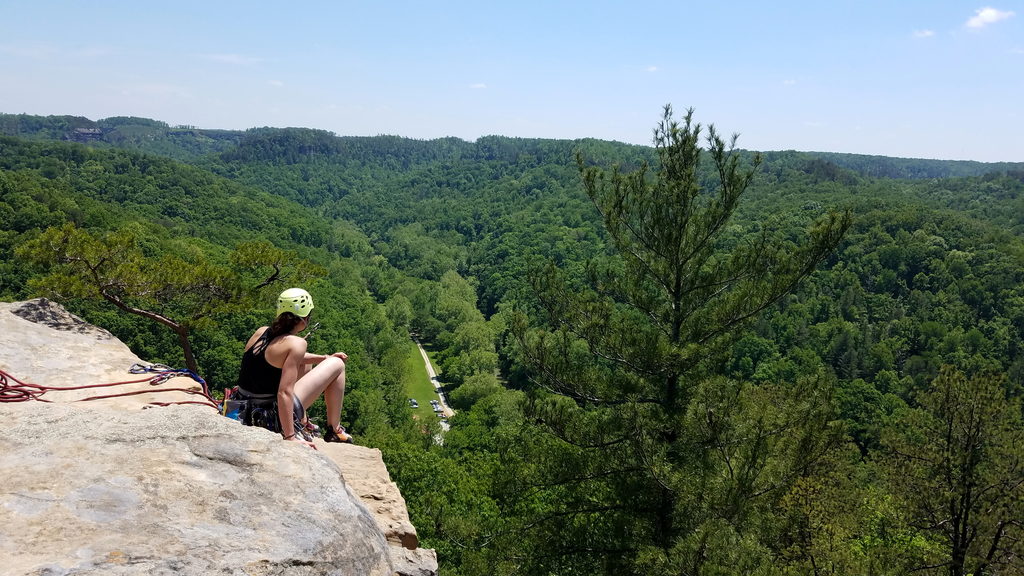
[118,486]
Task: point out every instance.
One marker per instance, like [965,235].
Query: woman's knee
[332,364]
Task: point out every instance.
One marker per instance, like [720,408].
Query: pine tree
[660,462]
[957,460]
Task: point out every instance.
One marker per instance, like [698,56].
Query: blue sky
[909,78]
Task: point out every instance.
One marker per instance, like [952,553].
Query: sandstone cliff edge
[117,486]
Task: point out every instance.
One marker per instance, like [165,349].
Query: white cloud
[232,59]
[277,83]
[156,90]
[478,86]
[924,33]
[987,15]
[35,51]
[53,51]
[651,69]
[789,82]
[95,52]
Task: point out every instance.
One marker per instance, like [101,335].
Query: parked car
[414,403]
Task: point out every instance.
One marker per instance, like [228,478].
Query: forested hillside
[681,359]
[140,134]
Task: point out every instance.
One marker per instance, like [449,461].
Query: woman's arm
[318,358]
[313,358]
[292,369]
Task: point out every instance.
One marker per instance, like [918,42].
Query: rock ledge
[107,487]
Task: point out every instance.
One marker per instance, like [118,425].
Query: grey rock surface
[170,490]
[118,486]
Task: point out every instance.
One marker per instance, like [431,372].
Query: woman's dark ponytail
[283,324]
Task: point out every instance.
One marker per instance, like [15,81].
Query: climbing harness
[260,410]
[15,390]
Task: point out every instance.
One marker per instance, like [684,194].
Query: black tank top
[258,376]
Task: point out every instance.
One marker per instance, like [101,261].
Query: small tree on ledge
[179,292]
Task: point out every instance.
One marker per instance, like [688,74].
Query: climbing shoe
[340,436]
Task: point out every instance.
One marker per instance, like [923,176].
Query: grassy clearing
[417,383]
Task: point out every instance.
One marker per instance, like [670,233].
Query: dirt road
[442,399]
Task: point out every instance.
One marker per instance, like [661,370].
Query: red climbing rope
[23,391]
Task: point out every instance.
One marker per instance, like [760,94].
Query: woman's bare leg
[334,397]
[327,378]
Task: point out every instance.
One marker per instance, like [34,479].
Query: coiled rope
[15,390]
[164,369]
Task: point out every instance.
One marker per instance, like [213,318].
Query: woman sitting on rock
[277,365]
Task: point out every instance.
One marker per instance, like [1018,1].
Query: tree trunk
[186,348]
[180,329]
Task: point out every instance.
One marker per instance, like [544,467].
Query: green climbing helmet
[295,300]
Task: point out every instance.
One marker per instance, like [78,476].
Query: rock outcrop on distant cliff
[106,487]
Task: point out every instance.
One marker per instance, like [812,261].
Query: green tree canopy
[178,290]
[662,462]
[958,461]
